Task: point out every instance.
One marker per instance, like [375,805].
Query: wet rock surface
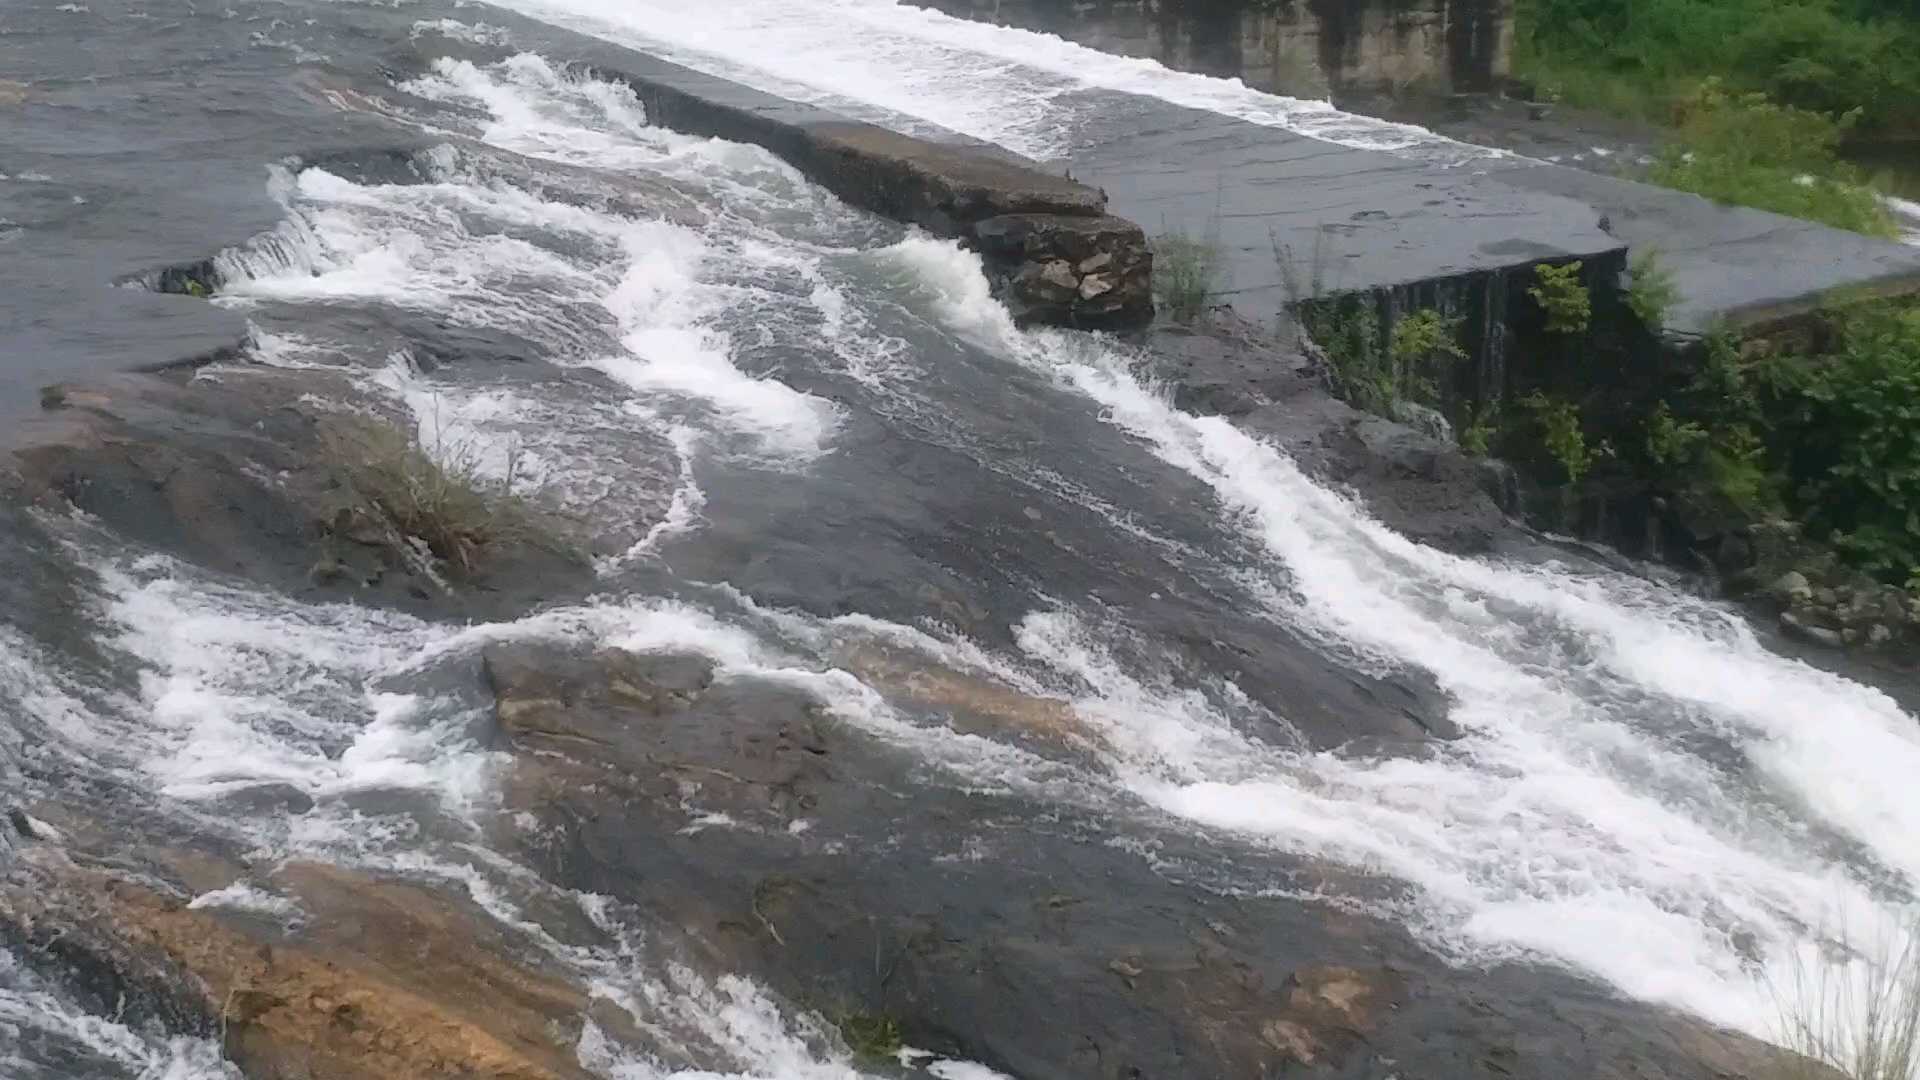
[1417,484]
[379,979]
[783,843]
[227,469]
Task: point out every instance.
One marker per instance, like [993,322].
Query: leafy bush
[1850,424]
[1563,297]
[1631,56]
[1185,272]
[1420,342]
[1347,329]
[1746,150]
[1561,434]
[1372,376]
[1671,441]
[1650,290]
[1476,439]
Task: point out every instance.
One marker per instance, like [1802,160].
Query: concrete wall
[1297,47]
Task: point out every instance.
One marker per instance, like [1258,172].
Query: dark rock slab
[232,473]
[1018,935]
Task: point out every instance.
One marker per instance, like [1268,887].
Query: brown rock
[385,980]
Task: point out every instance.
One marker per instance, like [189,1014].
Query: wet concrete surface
[1352,219]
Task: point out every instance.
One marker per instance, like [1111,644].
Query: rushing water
[1643,792]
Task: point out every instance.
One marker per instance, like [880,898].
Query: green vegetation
[1636,57]
[1561,434]
[1847,432]
[1185,272]
[430,505]
[1855,1009]
[872,1037]
[1476,438]
[1760,94]
[1376,372]
[1421,342]
[1744,149]
[1563,297]
[1650,290]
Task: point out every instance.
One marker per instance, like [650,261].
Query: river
[797,433]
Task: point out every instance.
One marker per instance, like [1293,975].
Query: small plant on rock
[1650,290]
[1419,342]
[1561,294]
[872,1037]
[1671,441]
[1476,439]
[1853,1011]
[431,504]
[1562,435]
[1184,274]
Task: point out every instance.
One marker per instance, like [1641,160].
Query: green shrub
[1421,342]
[1561,434]
[1476,438]
[1563,297]
[1185,272]
[1373,376]
[1347,329]
[1850,424]
[1670,441]
[1650,290]
[1746,150]
[1635,57]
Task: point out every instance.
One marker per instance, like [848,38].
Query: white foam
[1906,214]
[244,896]
[949,1069]
[26,1006]
[996,83]
[471,248]
[454,29]
[244,688]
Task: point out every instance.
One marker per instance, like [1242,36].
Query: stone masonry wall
[1310,48]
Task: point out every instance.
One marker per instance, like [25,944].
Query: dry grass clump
[430,502]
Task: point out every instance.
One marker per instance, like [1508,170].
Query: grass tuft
[429,502]
[872,1037]
[1854,1009]
[1185,274]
